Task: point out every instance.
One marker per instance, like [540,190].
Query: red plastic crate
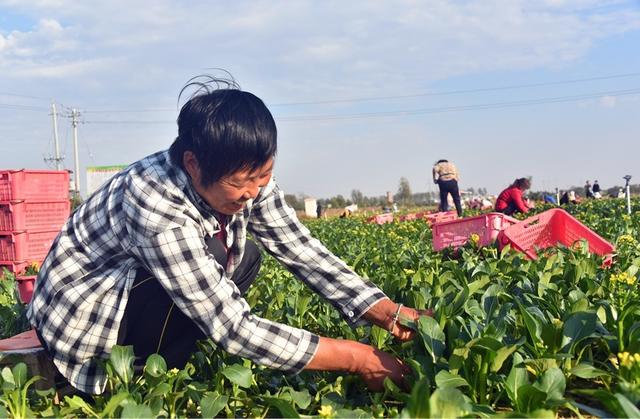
[551,228]
[30,246]
[34,185]
[27,215]
[456,233]
[25,287]
[439,217]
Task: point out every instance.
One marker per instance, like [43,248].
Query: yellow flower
[475,239]
[626,359]
[626,239]
[326,411]
[623,278]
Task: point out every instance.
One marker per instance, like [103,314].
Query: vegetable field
[510,336]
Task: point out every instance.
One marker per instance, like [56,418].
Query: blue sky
[363,92]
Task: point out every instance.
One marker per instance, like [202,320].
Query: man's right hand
[372,364]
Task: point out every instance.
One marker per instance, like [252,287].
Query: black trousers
[449,187]
[152,323]
[510,210]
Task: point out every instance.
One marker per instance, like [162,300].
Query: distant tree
[357,197]
[404,192]
[294,202]
[338,201]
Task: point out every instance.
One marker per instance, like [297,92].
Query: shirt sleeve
[518,201]
[274,224]
[179,259]
[171,245]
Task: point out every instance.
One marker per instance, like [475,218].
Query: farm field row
[509,336]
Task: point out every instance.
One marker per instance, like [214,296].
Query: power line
[496,105]
[392,97]
[128,122]
[24,96]
[460,108]
[15,107]
[456,92]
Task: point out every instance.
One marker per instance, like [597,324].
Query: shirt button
[350,314]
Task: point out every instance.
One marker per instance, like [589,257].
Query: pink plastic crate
[381,218]
[439,217]
[35,185]
[27,215]
[456,233]
[551,228]
[29,246]
[25,287]
[408,217]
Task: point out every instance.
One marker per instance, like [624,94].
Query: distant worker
[587,190]
[569,197]
[510,200]
[549,199]
[445,174]
[597,194]
[319,210]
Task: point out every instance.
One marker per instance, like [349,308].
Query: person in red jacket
[510,200]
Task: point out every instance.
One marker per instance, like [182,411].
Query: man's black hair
[226,128]
[442,161]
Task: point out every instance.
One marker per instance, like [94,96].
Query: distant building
[98,175]
[310,207]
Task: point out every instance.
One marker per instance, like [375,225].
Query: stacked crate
[34,205]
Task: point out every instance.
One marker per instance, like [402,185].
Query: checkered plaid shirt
[150,216]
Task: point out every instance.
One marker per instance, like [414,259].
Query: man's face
[229,194]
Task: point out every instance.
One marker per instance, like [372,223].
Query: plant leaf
[212,404]
[20,374]
[518,377]
[553,383]
[630,410]
[446,379]
[578,326]
[239,375]
[418,404]
[448,403]
[432,336]
[121,359]
[136,411]
[587,371]
[155,366]
[285,408]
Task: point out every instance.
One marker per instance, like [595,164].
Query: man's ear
[192,166]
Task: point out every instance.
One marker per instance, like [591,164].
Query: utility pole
[55,136]
[76,175]
[628,193]
[57,159]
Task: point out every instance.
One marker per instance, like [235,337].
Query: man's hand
[375,365]
[382,315]
[372,364]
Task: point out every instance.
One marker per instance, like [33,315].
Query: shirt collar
[186,185]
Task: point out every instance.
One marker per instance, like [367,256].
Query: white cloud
[110,54]
[608,101]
